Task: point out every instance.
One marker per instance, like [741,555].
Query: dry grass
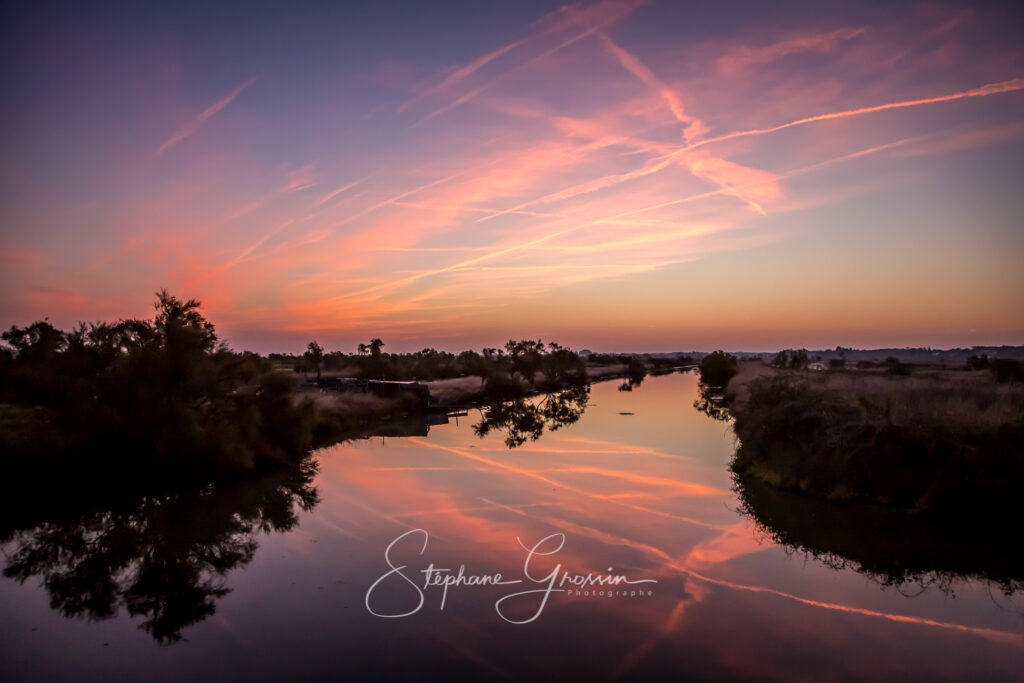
[937,437]
[596,372]
[351,402]
[456,390]
[958,399]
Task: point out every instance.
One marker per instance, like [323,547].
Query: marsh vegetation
[936,439]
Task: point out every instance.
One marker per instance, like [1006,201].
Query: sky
[618,175]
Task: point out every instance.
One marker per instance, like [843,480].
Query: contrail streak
[985,90]
[576,228]
[192,126]
[656,164]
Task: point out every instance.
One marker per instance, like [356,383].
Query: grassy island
[940,439]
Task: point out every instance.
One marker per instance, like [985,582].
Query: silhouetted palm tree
[315,355]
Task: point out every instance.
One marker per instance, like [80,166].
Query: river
[623,550]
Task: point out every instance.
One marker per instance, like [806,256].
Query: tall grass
[941,439]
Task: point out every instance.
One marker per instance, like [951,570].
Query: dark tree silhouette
[716,369]
[140,403]
[315,356]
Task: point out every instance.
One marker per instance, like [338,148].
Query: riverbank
[137,407]
[466,392]
[940,439]
[346,415]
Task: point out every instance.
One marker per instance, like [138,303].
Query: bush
[716,369]
[894,367]
[503,387]
[1007,370]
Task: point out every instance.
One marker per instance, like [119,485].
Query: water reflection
[648,495]
[414,424]
[711,402]
[894,548]
[525,420]
[911,553]
[630,383]
[164,559]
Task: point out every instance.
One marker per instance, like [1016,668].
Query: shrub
[1007,370]
[502,387]
[716,369]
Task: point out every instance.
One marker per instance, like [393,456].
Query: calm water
[270,581]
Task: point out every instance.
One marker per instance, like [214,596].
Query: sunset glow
[617,175]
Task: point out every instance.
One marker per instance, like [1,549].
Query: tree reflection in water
[908,552]
[911,553]
[631,383]
[523,420]
[711,402]
[164,559]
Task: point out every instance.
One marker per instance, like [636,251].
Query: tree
[716,369]
[976,362]
[37,342]
[375,346]
[362,349]
[182,325]
[562,365]
[315,355]
[1007,370]
[799,359]
[145,401]
[526,357]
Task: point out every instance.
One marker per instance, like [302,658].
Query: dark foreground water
[281,579]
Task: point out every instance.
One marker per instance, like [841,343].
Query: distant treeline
[531,360]
[916,355]
[526,358]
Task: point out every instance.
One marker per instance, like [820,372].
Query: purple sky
[613,175]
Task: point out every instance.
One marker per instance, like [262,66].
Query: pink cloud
[21,257]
